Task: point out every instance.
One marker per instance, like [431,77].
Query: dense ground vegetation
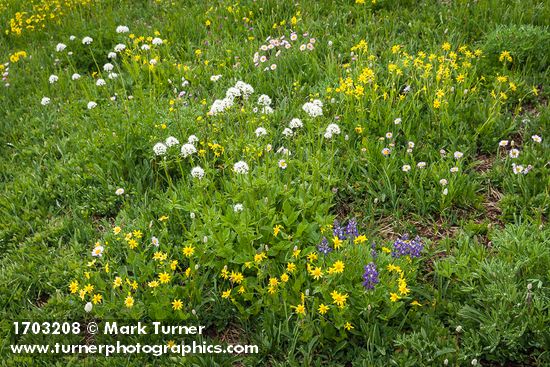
[352,183]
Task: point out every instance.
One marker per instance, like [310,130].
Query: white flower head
[264,100]
[241,167]
[111,55]
[88,307]
[333,129]
[266,110]
[155,241]
[246,89]
[97,251]
[410,144]
[87,40]
[514,153]
[119,191]
[157,41]
[296,123]
[197,172]
[215,78]
[458,155]
[503,143]
[443,182]
[53,78]
[454,169]
[517,168]
[60,47]
[122,29]
[421,165]
[45,101]
[389,135]
[91,105]
[260,132]
[536,138]
[192,139]
[159,149]
[282,164]
[313,109]
[120,47]
[238,207]
[288,132]
[386,152]
[108,66]
[100,82]
[233,92]
[188,149]
[75,76]
[397,121]
[171,141]
[406,168]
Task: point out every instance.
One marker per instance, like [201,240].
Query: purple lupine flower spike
[370,277]
[324,247]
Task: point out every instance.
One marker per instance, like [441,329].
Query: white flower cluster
[331,130]
[159,149]
[122,29]
[60,47]
[295,123]
[240,89]
[197,172]
[171,141]
[314,108]
[186,149]
[260,132]
[241,168]
[265,102]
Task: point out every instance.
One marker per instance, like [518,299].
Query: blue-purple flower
[370,277]
[338,231]
[324,247]
[351,229]
[405,247]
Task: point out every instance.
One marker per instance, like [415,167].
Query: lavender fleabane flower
[370,277]
[405,247]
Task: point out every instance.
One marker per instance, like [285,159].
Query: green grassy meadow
[340,183]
